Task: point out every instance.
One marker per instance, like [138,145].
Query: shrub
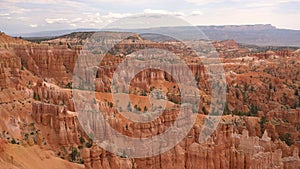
[81,139]
[286,138]
[74,154]
[13,141]
[110,104]
[226,109]
[69,85]
[36,96]
[129,107]
[253,110]
[88,145]
[296,93]
[262,122]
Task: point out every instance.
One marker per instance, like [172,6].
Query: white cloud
[4,14]
[163,12]
[112,15]
[22,18]
[252,3]
[88,18]
[259,5]
[91,13]
[122,2]
[234,16]
[264,3]
[197,12]
[203,2]
[33,25]
[76,20]
[10,9]
[46,2]
[55,20]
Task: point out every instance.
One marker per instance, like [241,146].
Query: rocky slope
[259,129]
[16,156]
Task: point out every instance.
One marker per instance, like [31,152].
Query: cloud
[264,3]
[112,15]
[10,9]
[46,2]
[197,12]
[4,14]
[33,25]
[240,16]
[249,3]
[92,19]
[133,2]
[259,5]
[56,20]
[65,14]
[163,12]
[203,2]
[22,18]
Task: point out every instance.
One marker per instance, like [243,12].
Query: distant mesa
[259,34]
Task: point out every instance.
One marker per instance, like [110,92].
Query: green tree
[253,110]
[81,139]
[88,144]
[13,141]
[296,93]
[74,154]
[287,138]
[226,109]
[262,122]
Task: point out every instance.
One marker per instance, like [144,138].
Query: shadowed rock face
[247,137]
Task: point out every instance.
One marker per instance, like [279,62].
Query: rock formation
[259,129]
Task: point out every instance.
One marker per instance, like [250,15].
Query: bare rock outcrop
[63,122]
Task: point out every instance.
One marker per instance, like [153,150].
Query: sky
[22,16]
